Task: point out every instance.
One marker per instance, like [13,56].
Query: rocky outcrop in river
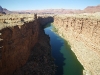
[24,47]
[82,31]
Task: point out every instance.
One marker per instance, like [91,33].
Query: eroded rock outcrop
[83,34]
[24,47]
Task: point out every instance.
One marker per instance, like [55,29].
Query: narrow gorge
[82,31]
[25,47]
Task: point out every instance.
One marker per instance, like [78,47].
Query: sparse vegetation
[11,20]
[54,29]
[83,15]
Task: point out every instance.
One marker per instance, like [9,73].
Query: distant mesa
[92,9]
[88,9]
[1,9]
[4,10]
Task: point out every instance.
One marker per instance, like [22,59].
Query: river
[65,59]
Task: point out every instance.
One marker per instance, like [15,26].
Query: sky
[47,4]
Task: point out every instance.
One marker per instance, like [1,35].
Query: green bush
[54,29]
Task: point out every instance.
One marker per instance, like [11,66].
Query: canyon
[82,31]
[24,47]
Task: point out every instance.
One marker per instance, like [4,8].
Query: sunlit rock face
[83,34]
[24,47]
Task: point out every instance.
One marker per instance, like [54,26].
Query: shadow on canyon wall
[44,21]
[26,50]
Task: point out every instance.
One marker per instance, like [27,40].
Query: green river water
[65,59]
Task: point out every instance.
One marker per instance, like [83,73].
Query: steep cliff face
[83,34]
[45,20]
[40,61]
[16,46]
[25,49]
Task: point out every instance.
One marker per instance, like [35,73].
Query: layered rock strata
[24,47]
[83,34]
